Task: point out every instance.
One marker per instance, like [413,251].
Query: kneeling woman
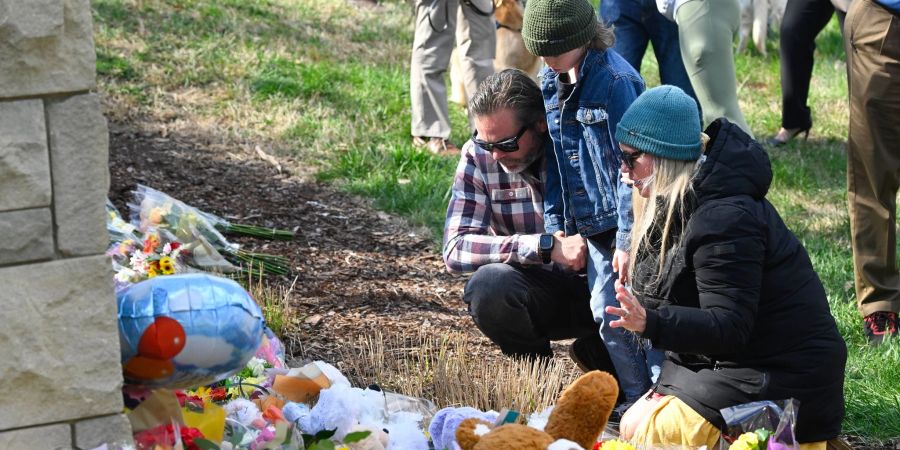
[720,283]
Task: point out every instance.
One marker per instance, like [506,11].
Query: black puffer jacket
[739,308]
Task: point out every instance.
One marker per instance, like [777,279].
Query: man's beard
[521,164]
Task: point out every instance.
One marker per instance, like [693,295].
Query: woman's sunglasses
[508,145]
[630,158]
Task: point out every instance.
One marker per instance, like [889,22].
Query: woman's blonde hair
[663,214]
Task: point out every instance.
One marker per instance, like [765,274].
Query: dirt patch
[357,269]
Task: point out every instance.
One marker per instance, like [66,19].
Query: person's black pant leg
[521,309]
[803,20]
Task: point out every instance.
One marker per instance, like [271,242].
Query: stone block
[59,342]
[24,160]
[93,433]
[48,437]
[46,46]
[26,235]
[79,155]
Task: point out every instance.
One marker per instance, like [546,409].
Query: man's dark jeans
[522,309]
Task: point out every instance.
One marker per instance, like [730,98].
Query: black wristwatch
[545,247]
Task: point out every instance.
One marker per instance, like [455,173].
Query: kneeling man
[526,289]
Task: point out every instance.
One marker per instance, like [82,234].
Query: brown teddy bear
[575,423]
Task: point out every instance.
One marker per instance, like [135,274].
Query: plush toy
[342,408]
[444,424]
[575,423]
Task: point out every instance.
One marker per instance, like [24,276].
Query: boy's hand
[620,262]
[569,251]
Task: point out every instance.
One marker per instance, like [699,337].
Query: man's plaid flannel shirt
[493,216]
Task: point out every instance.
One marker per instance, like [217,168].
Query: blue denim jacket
[584,191]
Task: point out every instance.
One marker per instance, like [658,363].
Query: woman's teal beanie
[663,121]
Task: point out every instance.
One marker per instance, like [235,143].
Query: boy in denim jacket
[587,87]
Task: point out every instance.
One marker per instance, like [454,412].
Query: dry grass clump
[275,304]
[444,370]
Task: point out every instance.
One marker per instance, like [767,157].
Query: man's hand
[620,262]
[569,251]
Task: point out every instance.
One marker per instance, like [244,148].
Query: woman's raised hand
[633,316]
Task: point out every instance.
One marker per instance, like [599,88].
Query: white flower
[125,275]
[137,259]
[257,365]
[167,248]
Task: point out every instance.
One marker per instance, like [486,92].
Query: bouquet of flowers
[136,260]
[137,256]
[764,425]
[156,210]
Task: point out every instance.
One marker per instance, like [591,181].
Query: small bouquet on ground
[138,260]
[764,425]
[156,210]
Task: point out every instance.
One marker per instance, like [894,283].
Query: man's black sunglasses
[508,145]
[630,158]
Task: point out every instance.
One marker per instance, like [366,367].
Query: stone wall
[59,347]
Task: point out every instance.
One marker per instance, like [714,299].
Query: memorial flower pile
[155,210]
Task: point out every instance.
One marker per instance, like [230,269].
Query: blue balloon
[183,331]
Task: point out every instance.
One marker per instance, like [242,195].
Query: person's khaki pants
[706,29]
[436,22]
[873,156]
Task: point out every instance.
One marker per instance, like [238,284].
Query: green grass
[326,81]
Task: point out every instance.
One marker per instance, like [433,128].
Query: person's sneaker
[436,145]
[878,324]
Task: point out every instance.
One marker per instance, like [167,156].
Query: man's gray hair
[509,89]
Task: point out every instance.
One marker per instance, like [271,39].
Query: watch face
[546,241]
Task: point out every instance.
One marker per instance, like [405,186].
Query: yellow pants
[673,423]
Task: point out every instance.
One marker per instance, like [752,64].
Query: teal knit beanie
[553,27]
[663,121]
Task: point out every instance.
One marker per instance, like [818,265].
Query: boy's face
[566,61]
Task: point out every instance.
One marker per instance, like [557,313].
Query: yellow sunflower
[166,265]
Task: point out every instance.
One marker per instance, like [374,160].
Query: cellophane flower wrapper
[775,420]
[118,229]
[154,209]
[159,253]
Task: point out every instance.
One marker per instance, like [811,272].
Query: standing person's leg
[706,30]
[432,44]
[631,36]
[873,162]
[624,346]
[803,20]
[521,309]
[477,44]
[667,49]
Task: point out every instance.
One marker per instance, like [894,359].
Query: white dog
[511,51]
[757,17]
